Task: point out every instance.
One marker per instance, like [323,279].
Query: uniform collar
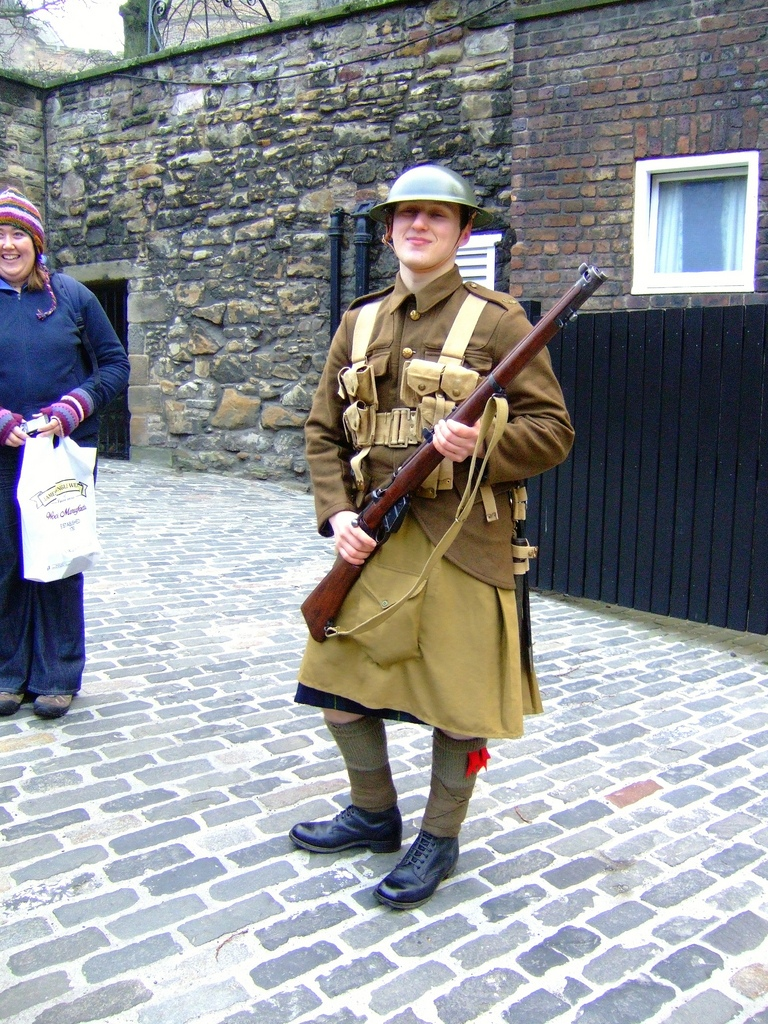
[5,287]
[437,290]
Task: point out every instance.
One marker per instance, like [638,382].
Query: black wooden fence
[663,503]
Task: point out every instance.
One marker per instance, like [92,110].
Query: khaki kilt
[450,656]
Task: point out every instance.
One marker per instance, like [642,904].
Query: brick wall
[598,89]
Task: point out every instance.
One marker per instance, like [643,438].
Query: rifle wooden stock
[322,606]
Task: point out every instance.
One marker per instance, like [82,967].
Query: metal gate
[114,428]
[663,504]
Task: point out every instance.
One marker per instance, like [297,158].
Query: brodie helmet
[431,183]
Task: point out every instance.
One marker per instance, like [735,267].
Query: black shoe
[10,703]
[380,831]
[422,869]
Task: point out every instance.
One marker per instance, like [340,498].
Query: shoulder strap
[462,329]
[71,294]
[361,337]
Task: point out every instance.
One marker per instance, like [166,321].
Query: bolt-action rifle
[387,505]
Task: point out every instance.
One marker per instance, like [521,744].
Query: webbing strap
[463,328]
[361,338]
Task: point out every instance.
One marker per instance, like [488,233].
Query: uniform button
[415,314]
[407,353]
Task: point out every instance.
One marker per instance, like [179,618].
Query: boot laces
[420,850]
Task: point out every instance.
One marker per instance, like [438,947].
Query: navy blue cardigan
[41,360]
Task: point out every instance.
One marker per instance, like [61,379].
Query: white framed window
[477,259]
[695,227]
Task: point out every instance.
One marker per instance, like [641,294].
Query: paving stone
[565,908]
[736,857]
[476,995]
[711,1006]
[618,920]
[512,903]
[83,794]
[158,916]
[583,814]
[285,1006]
[304,923]
[195,1003]
[742,933]
[681,929]
[684,886]
[184,876]
[573,942]
[18,998]
[253,881]
[433,936]
[63,863]
[57,951]
[135,801]
[692,965]
[98,1005]
[104,905]
[232,919]
[409,986]
[139,864]
[632,1002]
[154,836]
[130,958]
[51,823]
[375,930]
[540,959]
[617,962]
[291,965]
[537,1008]
[526,864]
[574,873]
[28,849]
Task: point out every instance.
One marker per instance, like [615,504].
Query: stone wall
[596,90]
[22,150]
[211,177]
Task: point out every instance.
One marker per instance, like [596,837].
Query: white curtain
[719,205]
[669,228]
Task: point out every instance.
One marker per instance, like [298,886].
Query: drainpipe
[363,239]
[336,234]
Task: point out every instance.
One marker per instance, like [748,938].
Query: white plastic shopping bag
[58,509]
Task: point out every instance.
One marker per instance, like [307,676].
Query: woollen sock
[454,771]
[363,745]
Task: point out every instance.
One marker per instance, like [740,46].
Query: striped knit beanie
[17,210]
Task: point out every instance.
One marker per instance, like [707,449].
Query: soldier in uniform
[450,657]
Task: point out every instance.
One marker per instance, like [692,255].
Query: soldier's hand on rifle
[455,441]
[353,544]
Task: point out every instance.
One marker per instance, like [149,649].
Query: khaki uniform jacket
[538,436]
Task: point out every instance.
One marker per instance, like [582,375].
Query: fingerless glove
[8,420]
[70,410]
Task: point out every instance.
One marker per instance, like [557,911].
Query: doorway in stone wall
[114,430]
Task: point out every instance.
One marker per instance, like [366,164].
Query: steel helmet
[431,183]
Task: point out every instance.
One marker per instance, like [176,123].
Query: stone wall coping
[507,15]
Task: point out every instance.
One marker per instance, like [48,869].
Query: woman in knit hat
[44,372]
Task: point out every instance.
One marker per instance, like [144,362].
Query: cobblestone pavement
[614,866]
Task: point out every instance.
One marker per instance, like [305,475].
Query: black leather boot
[380,831]
[422,869]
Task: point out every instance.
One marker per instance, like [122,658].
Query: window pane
[700,225]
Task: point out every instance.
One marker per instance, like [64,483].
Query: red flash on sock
[477,759]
